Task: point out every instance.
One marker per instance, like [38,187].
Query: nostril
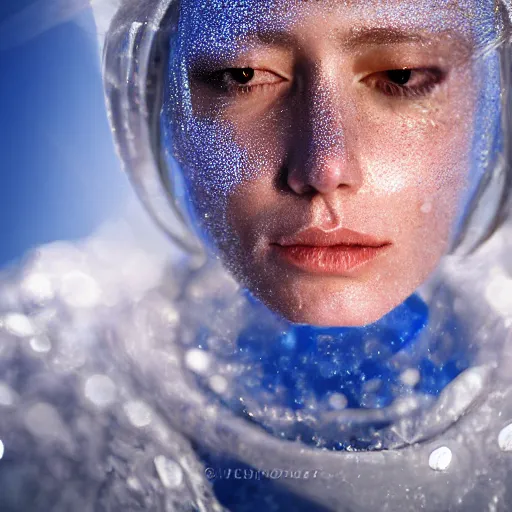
[298,185]
[289,181]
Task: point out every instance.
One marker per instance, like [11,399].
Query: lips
[337,252]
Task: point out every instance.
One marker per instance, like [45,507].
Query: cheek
[215,163]
[417,164]
[223,154]
[231,175]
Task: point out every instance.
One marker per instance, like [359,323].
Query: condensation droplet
[80,290]
[405,405]
[410,377]
[498,293]
[426,207]
[372,386]
[134,483]
[169,471]
[139,413]
[40,344]
[2,449]
[37,287]
[218,384]
[505,438]
[100,390]
[171,316]
[19,325]
[338,401]
[6,395]
[197,360]
[43,420]
[440,459]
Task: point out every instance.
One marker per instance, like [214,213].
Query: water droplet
[289,340]
[338,401]
[440,458]
[37,287]
[80,290]
[218,384]
[197,360]
[372,386]
[410,377]
[405,405]
[426,207]
[2,449]
[505,438]
[134,483]
[170,472]
[6,395]
[40,344]
[139,413]
[19,325]
[100,390]
[170,315]
[43,420]
[498,293]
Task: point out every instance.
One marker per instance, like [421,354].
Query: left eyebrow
[359,37]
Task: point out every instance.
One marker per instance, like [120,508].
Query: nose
[319,159]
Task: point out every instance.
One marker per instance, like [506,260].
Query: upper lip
[317,237]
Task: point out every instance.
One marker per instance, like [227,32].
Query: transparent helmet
[190,153]
[136,59]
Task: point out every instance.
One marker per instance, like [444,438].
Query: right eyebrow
[274,37]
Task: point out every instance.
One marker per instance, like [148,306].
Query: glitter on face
[321,132]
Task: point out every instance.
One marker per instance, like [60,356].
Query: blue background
[60,177]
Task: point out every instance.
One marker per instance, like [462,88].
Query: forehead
[220,22]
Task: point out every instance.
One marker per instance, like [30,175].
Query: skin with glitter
[327,145]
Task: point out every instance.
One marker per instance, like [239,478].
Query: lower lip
[336,259]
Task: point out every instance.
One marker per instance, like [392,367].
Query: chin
[322,308]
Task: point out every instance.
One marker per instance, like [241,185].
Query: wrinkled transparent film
[342,165]
[328,324]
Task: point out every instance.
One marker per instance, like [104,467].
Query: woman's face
[327,144]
